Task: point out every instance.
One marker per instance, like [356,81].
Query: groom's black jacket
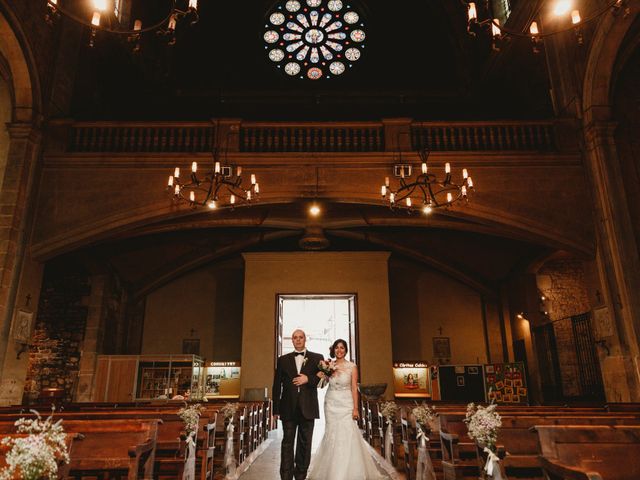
[286,396]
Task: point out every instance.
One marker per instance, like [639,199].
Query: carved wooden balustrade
[264,137]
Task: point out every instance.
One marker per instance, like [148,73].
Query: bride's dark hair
[332,348]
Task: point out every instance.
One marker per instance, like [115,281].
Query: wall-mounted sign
[411,379]
[223,364]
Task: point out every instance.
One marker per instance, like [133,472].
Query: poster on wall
[506,383]
[411,379]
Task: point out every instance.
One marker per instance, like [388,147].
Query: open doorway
[324,319]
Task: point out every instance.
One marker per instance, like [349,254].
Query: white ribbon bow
[388,441]
[189,472]
[492,466]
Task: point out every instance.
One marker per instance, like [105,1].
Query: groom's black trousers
[303,447]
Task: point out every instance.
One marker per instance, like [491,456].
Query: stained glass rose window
[314,39]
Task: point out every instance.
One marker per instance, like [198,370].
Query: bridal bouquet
[327,367]
[190,415]
[483,424]
[37,455]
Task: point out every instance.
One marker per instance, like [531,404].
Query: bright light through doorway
[324,318]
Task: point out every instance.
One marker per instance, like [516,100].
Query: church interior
[452,187]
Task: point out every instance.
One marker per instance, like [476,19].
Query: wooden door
[115,379]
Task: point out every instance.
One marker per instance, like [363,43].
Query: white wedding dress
[342,454]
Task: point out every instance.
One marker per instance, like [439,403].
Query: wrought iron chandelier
[427,192]
[107,17]
[568,17]
[220,187]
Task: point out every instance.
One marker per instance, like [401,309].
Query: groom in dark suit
[295,402]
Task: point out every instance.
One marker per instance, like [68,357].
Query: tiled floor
[267,466]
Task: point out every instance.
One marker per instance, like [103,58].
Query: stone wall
[562,283]
[56,343]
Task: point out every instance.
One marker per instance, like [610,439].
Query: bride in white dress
[343,453]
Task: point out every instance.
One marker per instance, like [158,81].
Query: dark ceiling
[419,62]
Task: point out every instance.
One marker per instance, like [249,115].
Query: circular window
[314,39]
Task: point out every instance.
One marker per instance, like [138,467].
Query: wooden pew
[590,453]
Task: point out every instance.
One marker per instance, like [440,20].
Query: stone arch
[599,73]
[18,67]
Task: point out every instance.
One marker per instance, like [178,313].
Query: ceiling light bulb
[95,21]
[170,183]
[232,199]
[137,25]
[392,198]
[575,17]
[386,181]
[314,210]
[427,209]
[176,172]
[248,194]
[193,4]
[194,167]
[238,171]
[256,188]
[495,28]
[562,7]
[465,173]
[424,167]
[212,204]
[533,29]
[253,179]
[463,190]
[447,168]
[449,197]
[470,182]
[216,167]
[383,191]
[408,200]
[177,190]
[192,196]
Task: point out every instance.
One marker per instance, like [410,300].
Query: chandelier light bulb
[449,197]
[463,190]
[193,4]
[212,204]
[54,2]
[408,201]
[470,182]
[177,190]
[192,196]
[216,167]
[176,173]
[314,210]
[248,195]
[170,182]
[253,179]
[194,167]
[239,171]
[232,199]
[533,29]
[383,191]
[447,168]
[386,182]
[95,21]
[392,198]
[562,7]
[472,12]
[495,28]
[256,188]
[465,173]
[137,25]
[427,209]
[424,168]
[100,5]
[172,22]
[575,17]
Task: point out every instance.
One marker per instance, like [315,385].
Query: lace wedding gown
[343,453]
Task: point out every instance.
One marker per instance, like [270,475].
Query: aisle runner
[249,460]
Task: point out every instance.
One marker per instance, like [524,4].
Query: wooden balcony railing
[489,136]
[263,137]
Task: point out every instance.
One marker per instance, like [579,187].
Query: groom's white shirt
[300,359]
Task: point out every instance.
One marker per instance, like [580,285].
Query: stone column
[618,264]
[15,197]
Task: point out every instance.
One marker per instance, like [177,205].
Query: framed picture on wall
[441,347]
[21,328]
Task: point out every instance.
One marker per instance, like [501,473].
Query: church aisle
[266,467]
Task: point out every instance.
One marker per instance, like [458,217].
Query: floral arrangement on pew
[483,424]
[37,455]
[389,410]
[228,411]
[190,415]
[424,414]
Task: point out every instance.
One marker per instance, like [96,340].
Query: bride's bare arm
[354,391]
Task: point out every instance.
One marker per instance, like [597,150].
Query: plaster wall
[269,274]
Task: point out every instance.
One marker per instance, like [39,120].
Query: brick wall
[54,354]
